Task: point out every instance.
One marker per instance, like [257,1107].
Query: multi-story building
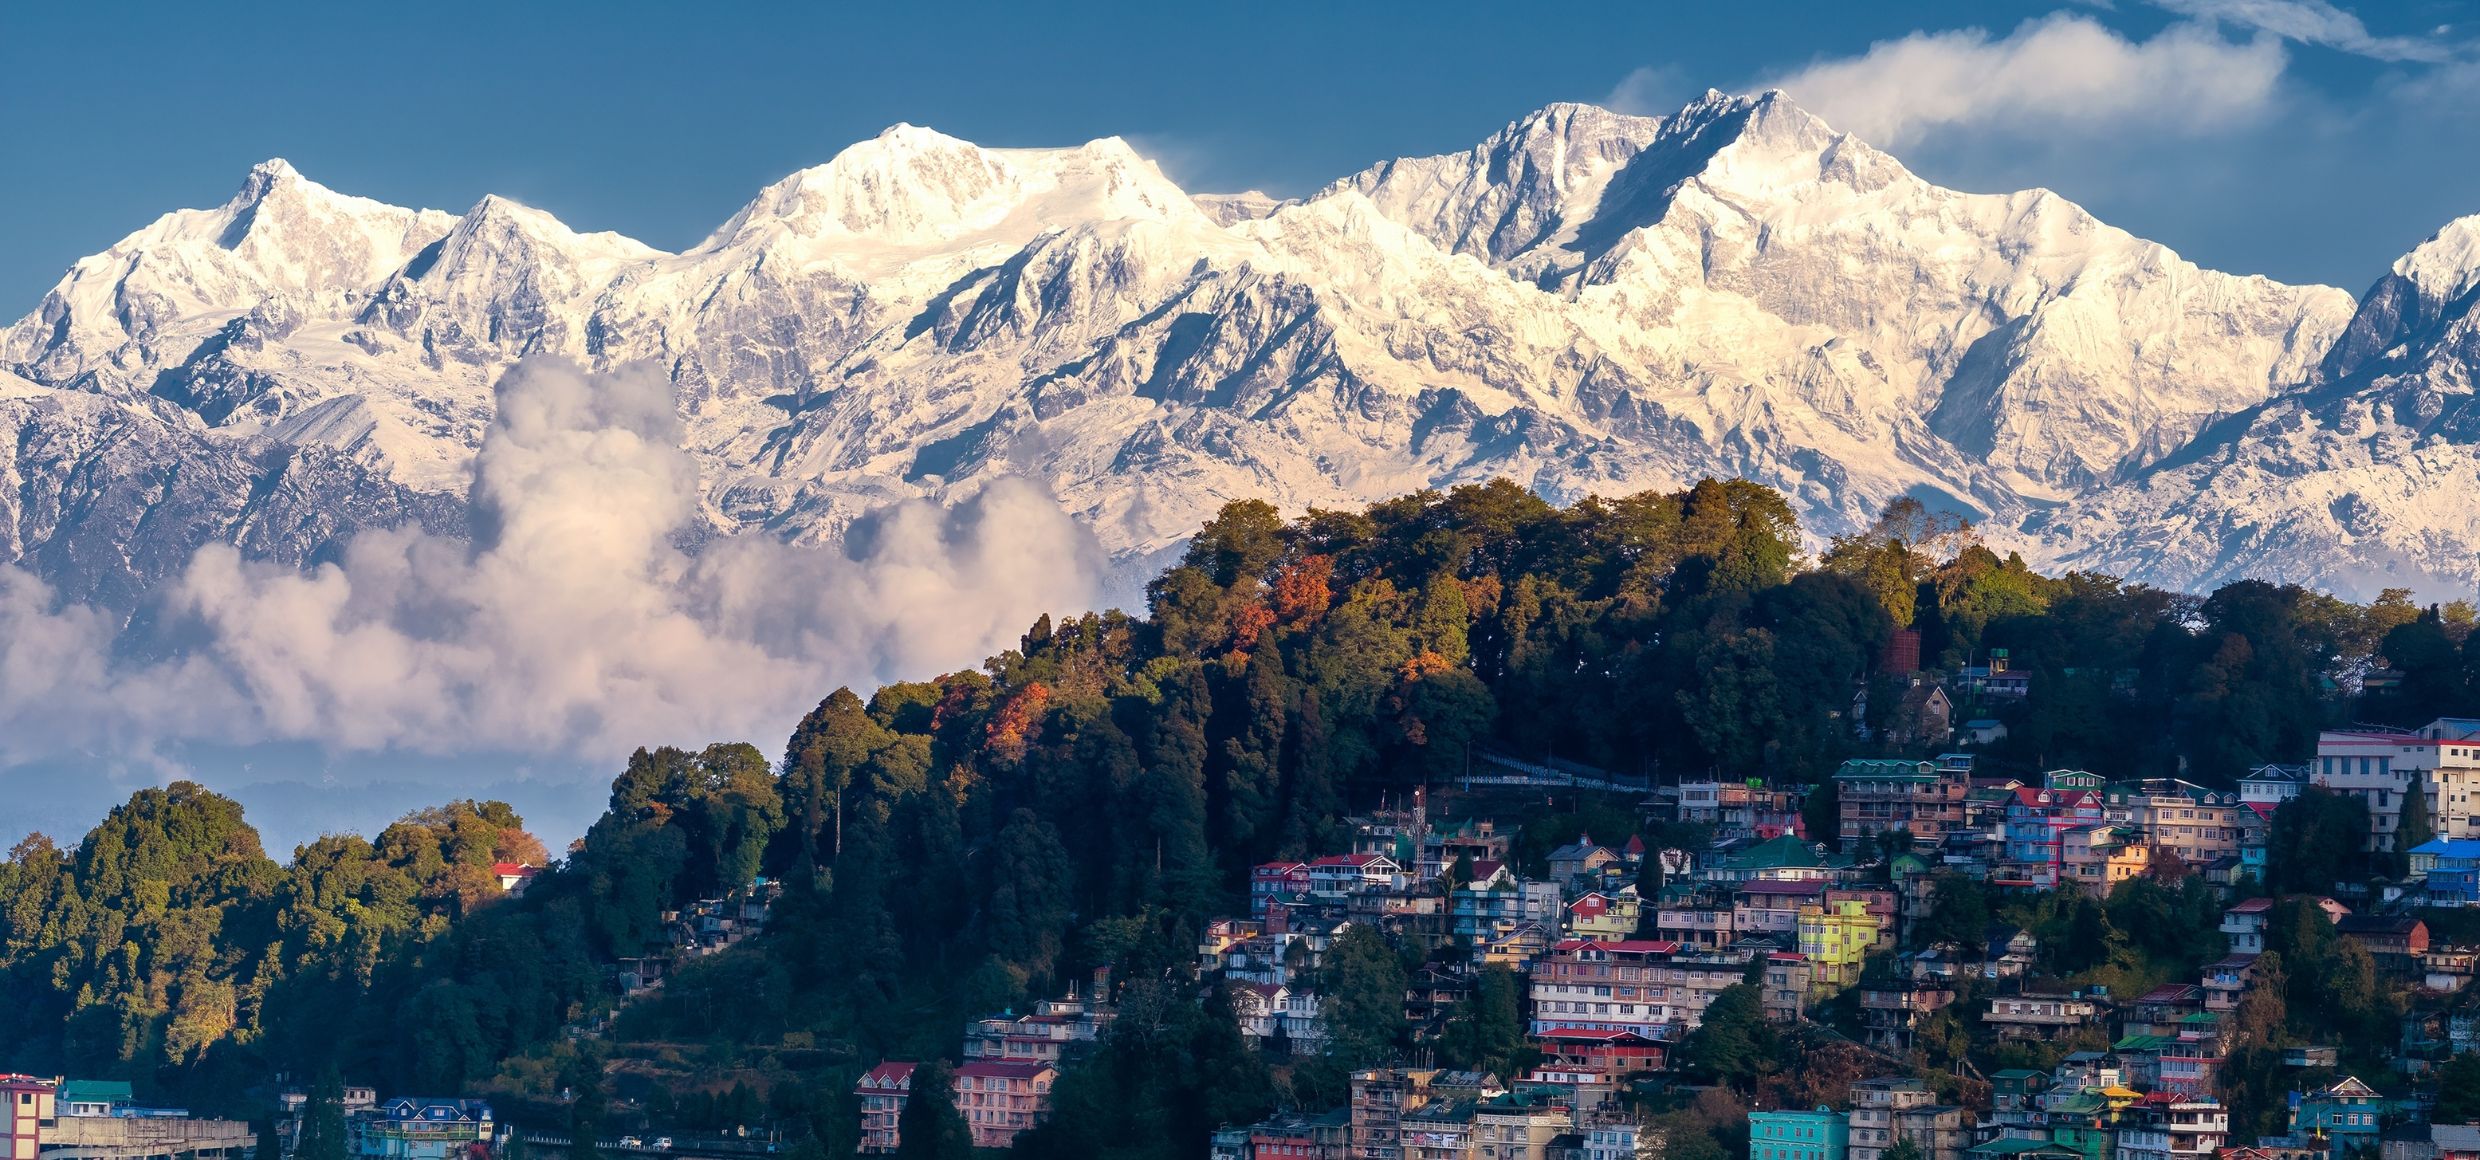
[1655,989]
[1338,875]
[1878,795]
[2440,760]
[1614,1055]
[2098,858]
[1000,1099]
[1605,915]
[2015,1102]
[2255,838]
[1492,906]
[2345,1113]
[1440,1129]
[2036,822]
[2243,926]
[32,1124]
[2272,784]
[2225,982]
[1592,985]
[2451,868]
[1380,1096]
[30,1109]
[1704,927]
[2187,1130]
[1740,809]
[419,1128]
[1054,1027]
[2041,1015]
[1276,882]
[2199,825]
[883,1091]
[1518,1125]
[1814,1135]
[1772,906]
[1787,984]
[1893,1012]
[1902,1108]
[1613,1141]
[1835,939]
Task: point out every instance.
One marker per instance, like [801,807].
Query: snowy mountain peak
[265,176]
[914,188]
[1586,301]
[2447,265]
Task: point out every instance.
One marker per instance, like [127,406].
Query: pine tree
[322,1125]
[930,1127]
[2415,829]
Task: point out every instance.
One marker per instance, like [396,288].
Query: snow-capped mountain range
[1585,302]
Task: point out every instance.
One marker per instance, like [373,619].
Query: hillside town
[1624,947]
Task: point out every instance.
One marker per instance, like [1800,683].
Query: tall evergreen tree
[930,1127]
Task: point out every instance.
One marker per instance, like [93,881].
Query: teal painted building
[2345,1114]
[1817,1135]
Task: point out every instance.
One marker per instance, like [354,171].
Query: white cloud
[1654,90]
[2315,22]
[2061,73]
[571,625]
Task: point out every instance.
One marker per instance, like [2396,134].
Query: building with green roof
[94,1097]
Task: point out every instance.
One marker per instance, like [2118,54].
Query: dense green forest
[1082,802]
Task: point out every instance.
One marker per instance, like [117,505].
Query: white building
[2190,1130]
[2272,784]
[1610,1142]
[2440,760]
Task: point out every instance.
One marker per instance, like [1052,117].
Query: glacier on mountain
[1586,302]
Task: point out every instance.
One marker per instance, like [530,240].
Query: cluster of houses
[1622,949]
[703,927]
[399,1128]
[1002,1086]
[1431,1114]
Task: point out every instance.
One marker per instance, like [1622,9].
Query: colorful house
[2097,858]
[2452,867]
[419,1128]
[1835,938]
[883,1092]
[2345,1113]
[1814,1135]
[1001,1098]
[26,1104]
[1600,915]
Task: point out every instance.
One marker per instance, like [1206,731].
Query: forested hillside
[962,844]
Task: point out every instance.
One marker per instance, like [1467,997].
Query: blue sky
[2289,137]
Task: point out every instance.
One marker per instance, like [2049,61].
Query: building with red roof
[883,1092]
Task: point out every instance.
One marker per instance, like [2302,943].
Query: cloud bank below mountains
[571,626]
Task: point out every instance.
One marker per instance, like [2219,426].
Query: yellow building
[1835,938]
[2093,859]
[1605,916]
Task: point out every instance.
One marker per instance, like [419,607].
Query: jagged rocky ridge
[1586,302]
[2366,476]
